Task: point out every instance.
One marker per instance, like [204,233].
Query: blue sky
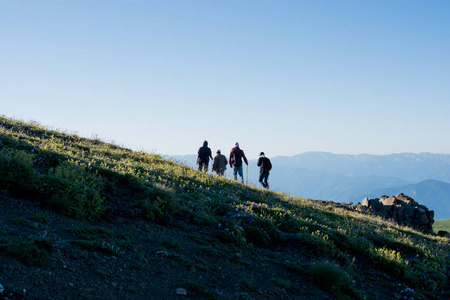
[284,77]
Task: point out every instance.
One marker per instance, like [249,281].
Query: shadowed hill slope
[81,218]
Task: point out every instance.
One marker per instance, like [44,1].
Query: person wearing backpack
[236,157]
[220,163]
[204,154]
[265,166]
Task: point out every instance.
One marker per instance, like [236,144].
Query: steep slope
[85,219]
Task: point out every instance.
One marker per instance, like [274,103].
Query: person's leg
[266,178]
[235,170]
[241,173]
[261,177]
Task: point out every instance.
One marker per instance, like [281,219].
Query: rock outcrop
[443,233]
[400,209]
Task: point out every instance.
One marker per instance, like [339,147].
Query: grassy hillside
[81,218]
[442,224]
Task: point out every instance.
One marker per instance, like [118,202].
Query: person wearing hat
[265,166]
[236,157]
[220,163]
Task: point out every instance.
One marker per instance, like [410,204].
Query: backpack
[237,158]
[203,155]
[267,166]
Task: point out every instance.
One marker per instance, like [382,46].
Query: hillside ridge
[81,218]
[327,176]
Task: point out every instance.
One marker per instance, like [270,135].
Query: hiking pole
[246,175]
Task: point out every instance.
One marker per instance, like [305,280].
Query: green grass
[26,252]
[282,283]
[443,224]
[87,179]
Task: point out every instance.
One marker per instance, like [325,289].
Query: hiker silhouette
[204,154]
[236,157]
[220,163]
[265,166]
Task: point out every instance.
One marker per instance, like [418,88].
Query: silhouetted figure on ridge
[265,166]
[236,156]
[220,163]
[204,154]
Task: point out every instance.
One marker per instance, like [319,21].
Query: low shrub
[313,242]
[172,245]
[334,279]
[282,283]
[294,267]
[289,224]
[232,232]
[16,172]
[75,191]
[150,211]
[158,205]
[41,217]
[261,232]
[328,275]
[389,261]
[26,252]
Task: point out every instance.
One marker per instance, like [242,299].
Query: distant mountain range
[349,178]
[432,193]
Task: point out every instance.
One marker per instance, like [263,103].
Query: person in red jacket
[236,157]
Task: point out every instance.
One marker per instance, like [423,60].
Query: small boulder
[181,292]
[404,198]
[388,201]
[443,233]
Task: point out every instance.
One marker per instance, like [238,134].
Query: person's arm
[210,154]
[245,158]
[198,154]
[259,162]
[214,164]
[231,158]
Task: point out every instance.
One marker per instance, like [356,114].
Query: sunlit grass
[443,224]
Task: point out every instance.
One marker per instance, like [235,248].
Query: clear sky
[284,77]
